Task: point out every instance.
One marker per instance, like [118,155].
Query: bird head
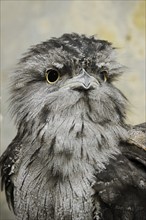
[68,76]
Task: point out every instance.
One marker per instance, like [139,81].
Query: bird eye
[103,75]
[52,76]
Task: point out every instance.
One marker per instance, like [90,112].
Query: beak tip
[84,87]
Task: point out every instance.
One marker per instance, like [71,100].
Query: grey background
[25,23]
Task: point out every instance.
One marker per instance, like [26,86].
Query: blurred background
[25,23]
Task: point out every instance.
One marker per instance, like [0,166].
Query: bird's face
[68,76]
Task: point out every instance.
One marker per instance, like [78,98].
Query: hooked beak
[84,82]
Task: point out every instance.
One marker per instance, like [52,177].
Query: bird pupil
[52,75]
[103,75]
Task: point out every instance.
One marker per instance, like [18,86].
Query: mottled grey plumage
[69,160]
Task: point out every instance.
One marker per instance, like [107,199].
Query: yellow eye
[52,76]
[103,75]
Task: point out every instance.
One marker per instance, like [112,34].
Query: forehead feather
[71,46]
